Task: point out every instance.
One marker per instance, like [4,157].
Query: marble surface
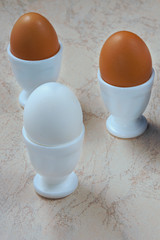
[118,196]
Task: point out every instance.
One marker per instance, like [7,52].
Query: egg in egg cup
[53,133]
[125,76]
[35,53]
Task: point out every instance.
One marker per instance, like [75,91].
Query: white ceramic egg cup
[55,165]
[126,105]
[31,74]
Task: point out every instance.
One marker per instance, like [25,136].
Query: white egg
[53,115]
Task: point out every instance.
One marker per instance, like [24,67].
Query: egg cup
[126,105]
[55,165]
[31,74]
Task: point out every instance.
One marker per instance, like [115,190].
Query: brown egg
[33,38]
[125,60]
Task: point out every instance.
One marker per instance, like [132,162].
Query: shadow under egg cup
[55,165]
[31,74]
[126,105]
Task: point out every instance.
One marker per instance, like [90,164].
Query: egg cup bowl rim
[58,147]
[145,84]
[34,61]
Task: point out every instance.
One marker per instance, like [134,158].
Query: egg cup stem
[62,188]
[23,98]
[122,129]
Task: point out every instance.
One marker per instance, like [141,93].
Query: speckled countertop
[118,197]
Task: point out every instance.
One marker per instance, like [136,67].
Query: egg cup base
[133,129]
[23,96]
[55,191]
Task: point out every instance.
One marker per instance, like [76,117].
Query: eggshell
[33,38]
[125,60]
[52,115]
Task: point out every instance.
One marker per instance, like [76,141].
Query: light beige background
[118,197]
